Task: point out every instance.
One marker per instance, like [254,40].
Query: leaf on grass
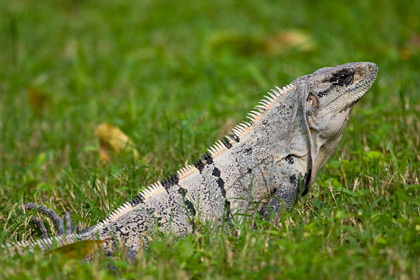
[186,250]
[346,191]
[37,99]
[278,44]
[112,139]
[373,155]
[78,249]
[285,41]
[412,47]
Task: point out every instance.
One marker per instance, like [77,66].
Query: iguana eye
[344,77]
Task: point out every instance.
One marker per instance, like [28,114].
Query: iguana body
[272,157]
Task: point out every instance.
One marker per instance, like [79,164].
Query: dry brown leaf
[247,44]
[411,48]
[112,139]
[289,39]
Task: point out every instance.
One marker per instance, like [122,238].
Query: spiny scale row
[185,171]
[116,213]
[262,106]
[45,244]
[149,191]
[217,148]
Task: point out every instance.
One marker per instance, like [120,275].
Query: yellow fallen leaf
[37,99]
[78,249]
[280,43]
[289,39]
[412,47]
[111,138]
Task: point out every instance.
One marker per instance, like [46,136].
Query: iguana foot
[59,223]
[40,224]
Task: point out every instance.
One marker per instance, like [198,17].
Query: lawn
[175,76]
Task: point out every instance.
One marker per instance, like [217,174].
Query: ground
[174,76]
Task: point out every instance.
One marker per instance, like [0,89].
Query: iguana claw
[53,216]
[40,224]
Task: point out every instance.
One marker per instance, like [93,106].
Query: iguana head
[331,93]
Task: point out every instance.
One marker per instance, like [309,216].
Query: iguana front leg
[289,180]
[284,198]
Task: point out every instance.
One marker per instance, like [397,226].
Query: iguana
[269,160]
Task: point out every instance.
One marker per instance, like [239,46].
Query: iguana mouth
[364,84]
[359,89]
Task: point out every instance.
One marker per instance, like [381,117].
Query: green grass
[175,76]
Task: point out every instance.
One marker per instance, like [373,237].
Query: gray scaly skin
[268,160]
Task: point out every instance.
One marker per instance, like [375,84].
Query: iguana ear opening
[312,107]
[313,102]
